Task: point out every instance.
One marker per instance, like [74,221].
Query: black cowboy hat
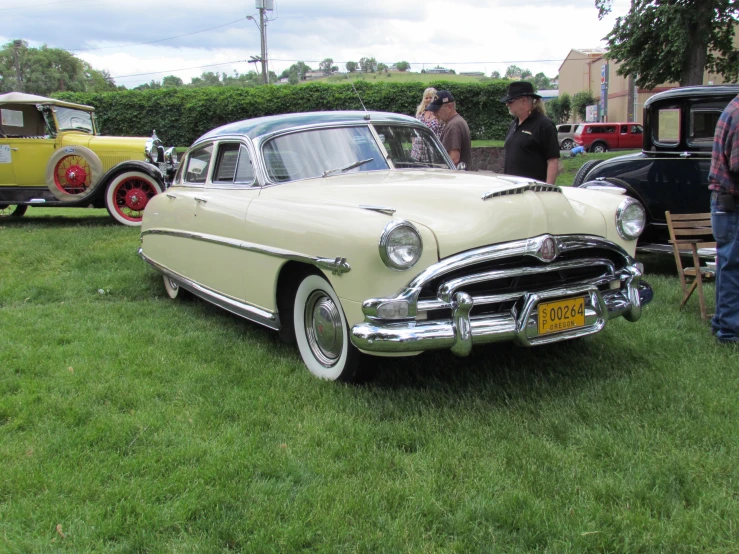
[518,89]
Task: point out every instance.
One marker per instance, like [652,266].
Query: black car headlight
[630,219]
[400,245]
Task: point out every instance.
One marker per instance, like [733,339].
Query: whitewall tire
[321,331]
[128,194]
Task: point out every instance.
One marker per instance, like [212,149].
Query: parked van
[601,137]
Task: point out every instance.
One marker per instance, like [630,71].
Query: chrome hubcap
[323,328]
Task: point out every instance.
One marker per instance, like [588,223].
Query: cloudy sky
[141,40]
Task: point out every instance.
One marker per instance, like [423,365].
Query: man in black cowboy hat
[531,145]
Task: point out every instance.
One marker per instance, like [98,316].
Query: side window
[590,130]
[703,119]
[233,165]
[636,130]
[609,129]
[198,164]
[564,128]
[624,129]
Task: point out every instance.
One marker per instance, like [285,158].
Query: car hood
[104,143]
[450,204]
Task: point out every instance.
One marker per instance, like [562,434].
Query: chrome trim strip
[336,266]
[534,186]
[228,303]
[380,209]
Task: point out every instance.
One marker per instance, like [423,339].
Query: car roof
[705,91]
[33,99]
[262,126]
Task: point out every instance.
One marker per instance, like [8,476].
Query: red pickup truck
[601,137]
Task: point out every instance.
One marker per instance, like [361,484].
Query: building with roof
[584,68]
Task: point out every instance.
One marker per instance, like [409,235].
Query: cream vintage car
[352,232]
[52,155]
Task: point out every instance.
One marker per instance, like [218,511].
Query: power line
[176,70]
[159,40]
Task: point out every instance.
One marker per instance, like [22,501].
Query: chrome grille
[495,285]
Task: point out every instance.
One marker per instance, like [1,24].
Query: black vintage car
[671,172]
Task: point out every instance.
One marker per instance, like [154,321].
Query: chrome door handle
[172,196]
[14,149]
[203,200]
[685,155]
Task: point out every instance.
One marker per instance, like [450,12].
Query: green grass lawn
[131,423]
[571,165]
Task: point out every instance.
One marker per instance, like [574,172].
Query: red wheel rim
[131,196]
[72,174]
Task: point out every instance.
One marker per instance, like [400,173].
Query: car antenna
[366,113]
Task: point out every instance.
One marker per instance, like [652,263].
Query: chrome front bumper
[520,324]
[461,332]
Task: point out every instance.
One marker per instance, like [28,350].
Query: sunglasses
[511,101]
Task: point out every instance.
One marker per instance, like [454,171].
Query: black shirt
[529,145]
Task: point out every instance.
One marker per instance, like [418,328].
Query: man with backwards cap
[455,136]
[531,145]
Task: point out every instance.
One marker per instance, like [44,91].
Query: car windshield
[313,153]
[70,119]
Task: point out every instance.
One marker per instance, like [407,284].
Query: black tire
[321,331]
[12,210]
[599,148]
[583,171]
[568,144]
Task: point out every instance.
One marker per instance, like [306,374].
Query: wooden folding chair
[688,234]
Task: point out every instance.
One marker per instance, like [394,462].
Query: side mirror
[461,166]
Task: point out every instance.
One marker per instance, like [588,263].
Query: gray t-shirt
[456,136]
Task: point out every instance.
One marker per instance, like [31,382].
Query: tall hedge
[181,115]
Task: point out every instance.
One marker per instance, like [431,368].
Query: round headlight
[400,245]
[630,219]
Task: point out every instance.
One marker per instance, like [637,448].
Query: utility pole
[263,6]
[18,79]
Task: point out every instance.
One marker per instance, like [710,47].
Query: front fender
[131,165]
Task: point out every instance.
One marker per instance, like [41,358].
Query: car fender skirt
[460,332]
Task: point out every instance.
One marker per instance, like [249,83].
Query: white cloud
[468,35]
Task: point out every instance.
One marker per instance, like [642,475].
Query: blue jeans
[725,323]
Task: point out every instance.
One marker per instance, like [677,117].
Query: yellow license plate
[561,315]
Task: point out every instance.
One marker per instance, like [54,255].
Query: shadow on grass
[59,222]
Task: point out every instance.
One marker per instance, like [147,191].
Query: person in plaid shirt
[723,181]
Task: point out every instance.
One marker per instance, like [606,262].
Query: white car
[324,227]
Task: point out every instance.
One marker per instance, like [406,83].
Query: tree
[326,66]
[674,40]
[351,67]
[495,75]
[368,65]
[47,70]
[172,81]
[526,73]
[580,101]
[382,67]
[559,109]
[513,72]
[402,66]
[542,82]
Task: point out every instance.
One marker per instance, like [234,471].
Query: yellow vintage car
[51,155]
[353,233]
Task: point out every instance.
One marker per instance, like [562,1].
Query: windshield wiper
[347,168]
